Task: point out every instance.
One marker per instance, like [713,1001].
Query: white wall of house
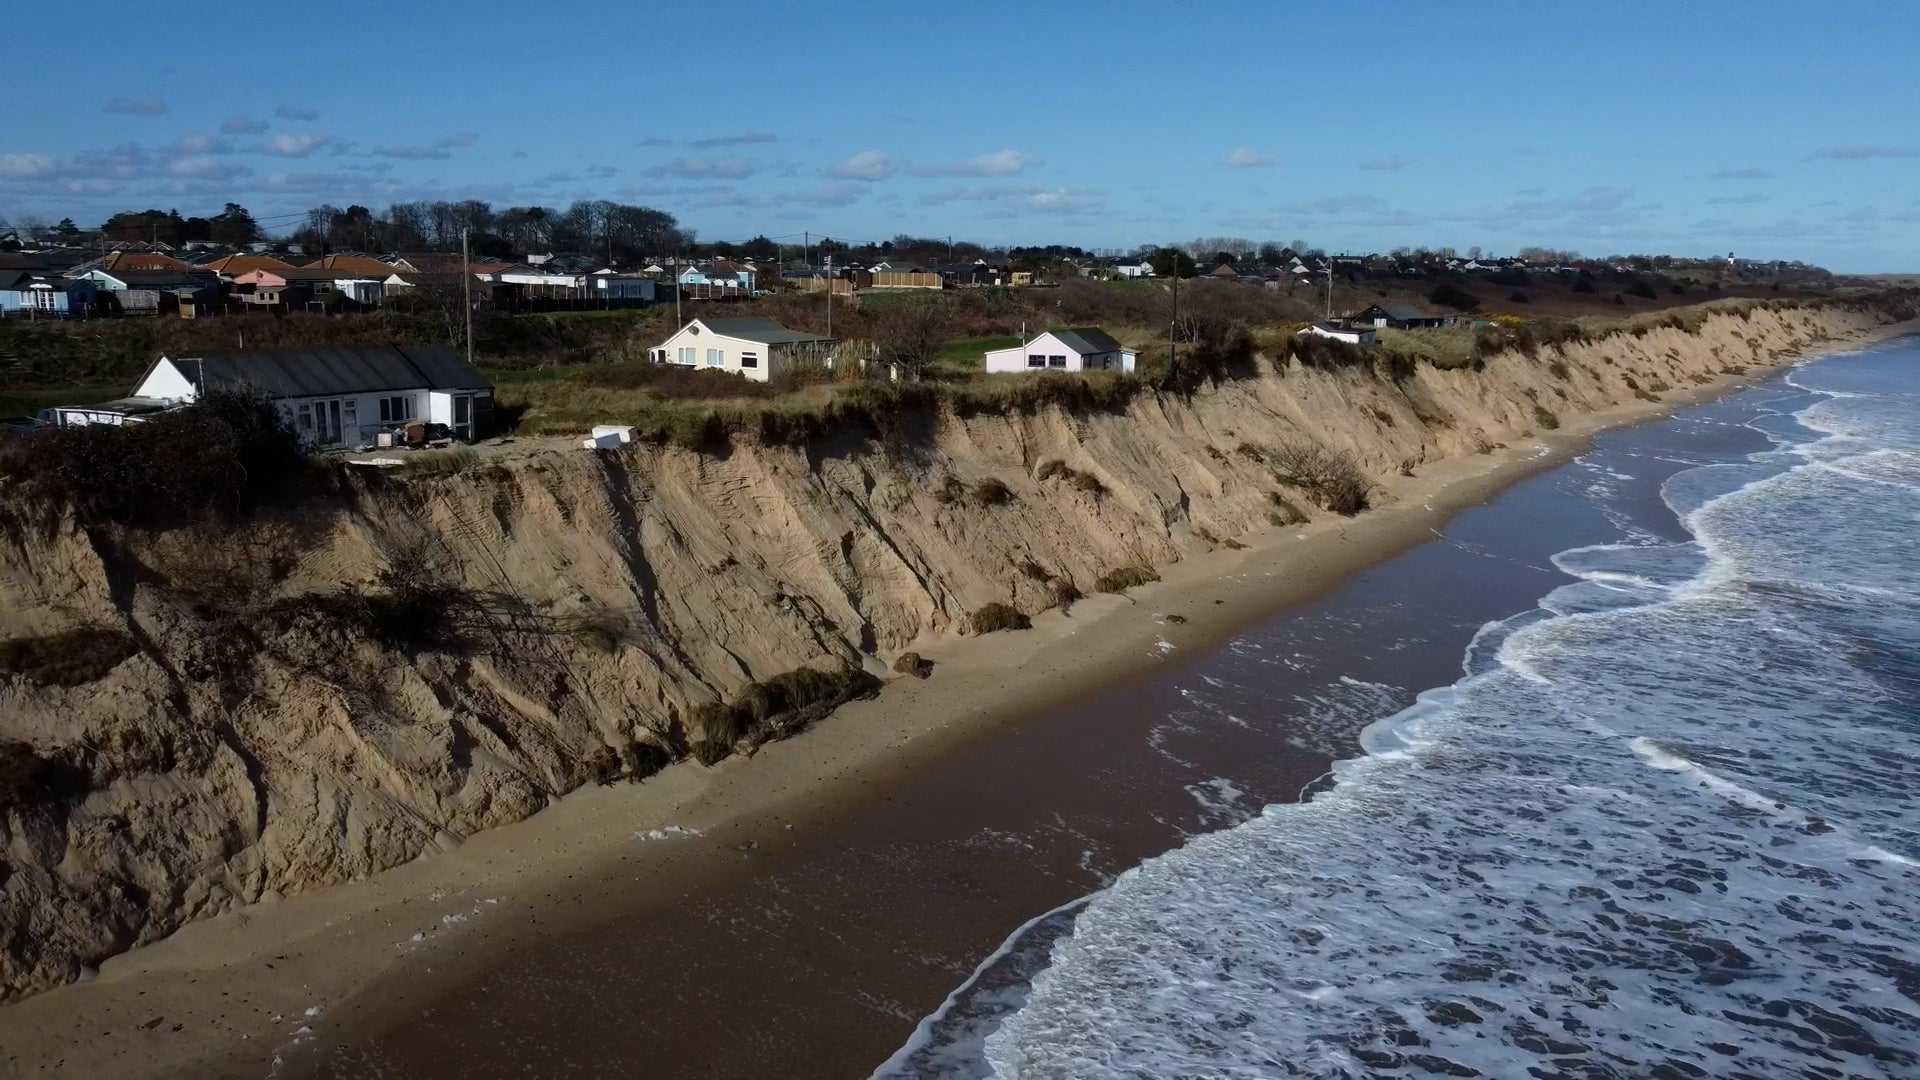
[1049,353]
[697,347]
[1359,335]
[166,383]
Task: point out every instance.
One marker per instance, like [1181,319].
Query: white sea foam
[1677,836]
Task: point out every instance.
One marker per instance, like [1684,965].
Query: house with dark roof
[1084,348]
[1398,317]
[338,397]
[757,349]
[141,291]
[34,294]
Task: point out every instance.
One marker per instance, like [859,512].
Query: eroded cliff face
[205,731]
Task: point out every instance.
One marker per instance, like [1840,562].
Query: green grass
[966,356]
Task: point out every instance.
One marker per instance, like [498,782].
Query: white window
[714,357]
[396,409]
[1057,361]
[748,359]
[43,299]
[1036,360]
[305,420]
[689,355]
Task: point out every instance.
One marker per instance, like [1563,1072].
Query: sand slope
[246,748]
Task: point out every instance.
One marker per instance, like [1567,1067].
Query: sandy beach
[369,976]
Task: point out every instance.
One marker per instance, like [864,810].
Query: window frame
[1056,362]
[1036,360]
[750,360]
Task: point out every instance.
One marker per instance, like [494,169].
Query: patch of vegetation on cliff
[995,617]
[1123,578]
[1331,478]
[69,658]
[782,706]
[27,776]
[214,460]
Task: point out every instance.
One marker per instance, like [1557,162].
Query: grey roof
[1087,339]
[160,279]
[318,372]
[764,331]
[13,279]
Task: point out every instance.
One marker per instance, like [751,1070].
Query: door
[463,417]
[327,422]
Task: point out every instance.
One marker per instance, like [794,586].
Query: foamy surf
[1673,837]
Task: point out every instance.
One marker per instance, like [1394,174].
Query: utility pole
[829,296]
[1175,321]
[466,289]
[676,291]
[1329,290]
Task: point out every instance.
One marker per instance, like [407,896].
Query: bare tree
[908,335]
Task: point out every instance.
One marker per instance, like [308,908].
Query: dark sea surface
[1664,823]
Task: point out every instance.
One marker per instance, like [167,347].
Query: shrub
[1453,296]
[451,461]
[1583,283]
[1064,593]
[218,458]
[997,616]
[1330,476]
[1558,369]
[1545,418]
[1086,482]
[1051,468]
[912,663]
[1284,513]
[991,492]
[949,490]
[70,658]
[28,776]
[781,706]
[1124,578]
[1518,297]
[1641,289]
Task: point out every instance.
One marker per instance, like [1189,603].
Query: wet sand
[832,890]
[821,954]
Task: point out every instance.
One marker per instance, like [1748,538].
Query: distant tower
[1729,258]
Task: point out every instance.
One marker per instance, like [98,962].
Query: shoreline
[240,990]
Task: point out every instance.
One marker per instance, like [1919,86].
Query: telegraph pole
[829,296]
[1175,320]
[1329,290]
[676,291]
[466,287]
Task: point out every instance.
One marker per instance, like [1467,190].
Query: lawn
[962,357]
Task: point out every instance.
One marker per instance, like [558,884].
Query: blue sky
[1768,129]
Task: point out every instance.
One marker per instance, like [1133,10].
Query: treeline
[618,232]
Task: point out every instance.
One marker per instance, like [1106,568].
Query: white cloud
[722,168]
[146,106]
[747,139]
[997,163]
[439,150]
[1023,200]
[869,165]
[201,144]
[203,167]
[25,166]
[1246,158]
[243,125]
[1863,151]
[296,112]
[299,145]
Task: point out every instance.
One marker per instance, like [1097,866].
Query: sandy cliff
[200,718]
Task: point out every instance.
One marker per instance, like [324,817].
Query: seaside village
[374,398]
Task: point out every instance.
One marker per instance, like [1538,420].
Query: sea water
[1666,825]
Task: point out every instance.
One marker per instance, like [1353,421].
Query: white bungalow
[1084,348]
[758,349]
[337,397]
